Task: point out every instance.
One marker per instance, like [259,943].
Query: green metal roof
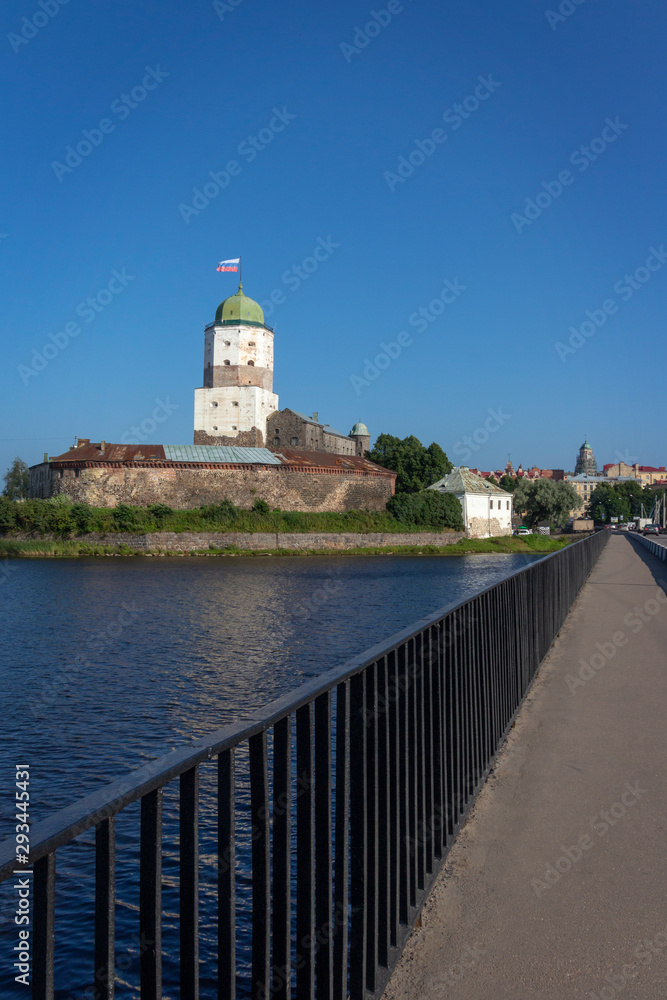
[239,309]
[229,454]
[462,480]
[359,429]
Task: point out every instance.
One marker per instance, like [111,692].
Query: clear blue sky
[330,175]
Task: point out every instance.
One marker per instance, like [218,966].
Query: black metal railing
[357,784]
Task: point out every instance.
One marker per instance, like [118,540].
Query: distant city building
[646,474]
[535,473]
[487,510]
[586,464]
[584,485]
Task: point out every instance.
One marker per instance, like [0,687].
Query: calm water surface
[109,663]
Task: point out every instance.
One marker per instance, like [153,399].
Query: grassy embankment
[69,548]
[52,518]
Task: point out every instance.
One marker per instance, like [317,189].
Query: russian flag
[229,265]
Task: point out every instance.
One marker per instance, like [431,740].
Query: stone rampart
[185,486]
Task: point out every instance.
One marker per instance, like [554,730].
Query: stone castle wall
[287,429]
[193,486]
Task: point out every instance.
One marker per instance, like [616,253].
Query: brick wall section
[232,375]
[193,486]
[191,541]
[244,439]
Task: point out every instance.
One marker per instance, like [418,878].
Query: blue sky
[336,108]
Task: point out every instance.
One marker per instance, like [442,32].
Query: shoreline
[50,548]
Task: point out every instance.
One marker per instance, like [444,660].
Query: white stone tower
[237,395]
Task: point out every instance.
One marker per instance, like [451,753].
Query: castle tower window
[233,427]
[214,404]
[251,343]
[233,404]
[251,364]
[228,343]
[215,428]
[226,362]
[295,440]
[276,440]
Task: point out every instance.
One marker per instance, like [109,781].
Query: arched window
[251,364]
[226,362]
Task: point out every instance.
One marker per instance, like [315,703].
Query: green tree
[606,502]
[508,483]
[17,481]
[493,481]
[428,508]
[544,500]
[417,467]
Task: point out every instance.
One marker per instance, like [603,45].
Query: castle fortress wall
[193,485]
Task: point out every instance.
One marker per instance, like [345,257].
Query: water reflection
[109,663]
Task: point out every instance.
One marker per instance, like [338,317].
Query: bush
[7,514]
[428,509]
[261,507]
[83,519]
[126,518]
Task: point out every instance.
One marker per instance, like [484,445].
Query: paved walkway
[557,885]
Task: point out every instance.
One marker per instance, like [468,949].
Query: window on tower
[251,364]
[251,343]
[225,362]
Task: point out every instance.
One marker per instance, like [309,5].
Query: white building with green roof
[237,396]
[237,405]
[487,510]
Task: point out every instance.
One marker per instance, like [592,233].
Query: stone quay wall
[196,541]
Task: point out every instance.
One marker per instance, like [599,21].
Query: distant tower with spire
[237,396]
[586,463]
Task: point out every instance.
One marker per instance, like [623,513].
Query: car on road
[651,529]
[523,531]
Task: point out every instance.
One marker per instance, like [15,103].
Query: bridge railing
[357,783]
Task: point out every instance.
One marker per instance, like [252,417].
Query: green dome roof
[239,309]
[359,429]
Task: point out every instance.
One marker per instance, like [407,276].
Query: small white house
[487,510]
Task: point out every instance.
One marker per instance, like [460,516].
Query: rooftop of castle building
[239,308]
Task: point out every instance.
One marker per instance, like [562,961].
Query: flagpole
[241,271]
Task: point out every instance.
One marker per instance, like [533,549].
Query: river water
[108,663]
